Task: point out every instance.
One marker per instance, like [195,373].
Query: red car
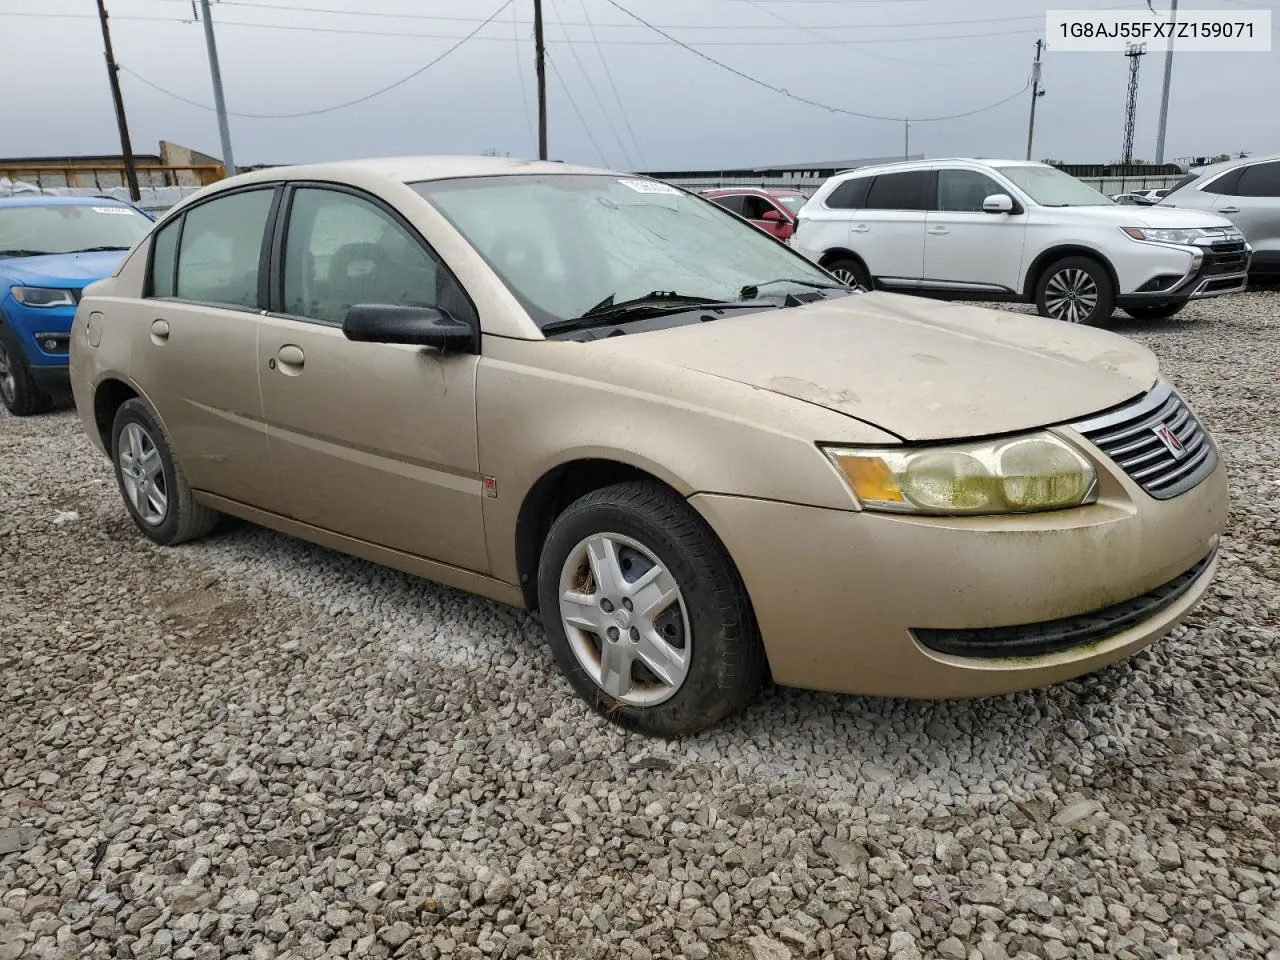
[773,213]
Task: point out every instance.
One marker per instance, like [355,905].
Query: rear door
[196,355]
[374,441]
[888,232]
[965,248]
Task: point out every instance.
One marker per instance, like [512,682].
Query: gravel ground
[252,747]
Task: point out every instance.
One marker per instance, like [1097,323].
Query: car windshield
[68,228]
[1050,187]
[565,243]
[792,203]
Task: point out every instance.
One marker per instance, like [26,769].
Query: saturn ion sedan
[700,458]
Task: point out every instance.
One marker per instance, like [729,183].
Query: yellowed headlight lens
[1037,472]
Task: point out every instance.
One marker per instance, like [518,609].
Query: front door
[196,346]
[965,248]
[374,441]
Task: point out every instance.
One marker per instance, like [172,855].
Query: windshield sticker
[121,210]
[650,186]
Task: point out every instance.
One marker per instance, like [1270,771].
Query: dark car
[773,213]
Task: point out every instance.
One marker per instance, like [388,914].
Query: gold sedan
[697,455]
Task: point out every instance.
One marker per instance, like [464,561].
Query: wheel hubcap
[847,278]
[1071,295]
[625,619]
[8,383]
[142,475]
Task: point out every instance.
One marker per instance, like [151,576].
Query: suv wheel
[1076,290]
[850,272]
[18,391]
[1163,312]
[645,613]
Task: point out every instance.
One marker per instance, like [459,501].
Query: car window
[753,208]
[962,191]
[1188,179]
[221,249]
[731,203]
[899,191]
[341,250]
[850,195]
[793,203]
[1259,180]
[164,257]
[1224,185]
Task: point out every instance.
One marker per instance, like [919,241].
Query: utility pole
[1168,77]
[906,139]
[1135,53]
[113,75]
[1036,93]
[219,103]
[540,66]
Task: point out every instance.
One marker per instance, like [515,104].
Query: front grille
[1131,436]
[1228,246]
[1050,636]
[1224,263]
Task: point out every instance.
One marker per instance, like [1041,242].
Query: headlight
[1185,236]
[1019,475]
[43,296]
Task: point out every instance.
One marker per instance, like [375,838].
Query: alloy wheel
[8,378]
[142,474]
[847,277]
[1071,295]
[625,619]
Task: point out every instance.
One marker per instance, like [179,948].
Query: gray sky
[684,111]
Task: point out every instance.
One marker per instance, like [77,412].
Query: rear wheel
[18,391]
[1163,312]
[850,272]
[1076,290]
[645,613]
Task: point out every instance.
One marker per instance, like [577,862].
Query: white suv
[1014,230]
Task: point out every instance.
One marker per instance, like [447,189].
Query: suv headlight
[1014,475]
[1183,235]
[43,296]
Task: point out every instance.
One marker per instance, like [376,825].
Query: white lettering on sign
[125,211]
[650,186]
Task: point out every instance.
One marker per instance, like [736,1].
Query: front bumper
[1222,268]
[843,598]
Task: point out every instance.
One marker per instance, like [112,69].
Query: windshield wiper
[653,304]
[752,290]
[24,253]
[98,249]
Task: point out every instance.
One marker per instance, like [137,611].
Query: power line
[338,106]
[622,111]
[626,154]
[813,103]
[581,119]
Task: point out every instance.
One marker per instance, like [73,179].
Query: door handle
[291,359]
[159,331]
[938,231]
[862,228]
[1228,209]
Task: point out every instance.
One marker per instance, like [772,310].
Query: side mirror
[418,326]
[998,203]
[773,216]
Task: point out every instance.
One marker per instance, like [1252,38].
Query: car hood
[67,270]
[916,368]
[1137,215]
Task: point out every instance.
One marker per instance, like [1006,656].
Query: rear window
[850,195]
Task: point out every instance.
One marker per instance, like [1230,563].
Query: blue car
[50,249]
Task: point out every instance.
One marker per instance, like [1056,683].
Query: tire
[168,513]
[1163,312]
[705,642]
[850,272]
[1076,290]
[18,391]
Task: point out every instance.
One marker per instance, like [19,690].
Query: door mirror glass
[998,203]
[417,326]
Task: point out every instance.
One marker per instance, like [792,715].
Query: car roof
[755,191]
[413,169]
[907,165]
[1215,168]
[40,200]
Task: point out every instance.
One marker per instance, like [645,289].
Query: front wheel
[1076,290]
[645,613]
[18,391]
[1163,312]
[850,272]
